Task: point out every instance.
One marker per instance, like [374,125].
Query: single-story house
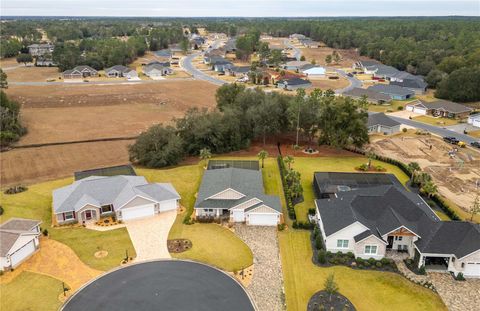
[374,216]
[368,66]
[370,95]
[418,85]
[237,195]
[385,72]
[381,123]
[119,71]
[220,65]
[19,239]
[126,197]
[40,61]
[314,72]
[238,71]
[293,84]
[212,54]
[80,72]
[295,65]
[40,49]
[394,91]
[230,46]
[165,53]
[474,119]
[440,108]
[297,36]
[156,70]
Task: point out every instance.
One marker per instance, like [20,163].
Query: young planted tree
[262,155]
[336,57]
[413,167]
[429,188]
[289,161]
[328,59]
[205,154]
[331,286]
[475,209]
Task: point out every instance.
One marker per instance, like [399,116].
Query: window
[69,215]
[370,249]
[342,243]
[400,238]
[106,208]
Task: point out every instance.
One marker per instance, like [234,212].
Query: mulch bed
[179,245]
[321,301]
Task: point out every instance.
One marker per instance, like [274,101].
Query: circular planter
[322,299]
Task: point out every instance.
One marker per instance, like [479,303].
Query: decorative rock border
[322,299]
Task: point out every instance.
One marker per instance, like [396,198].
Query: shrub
[329,254]
[366,263]
[460,277]
[1,210]
[315,232]
[311,211]
[378,264]
[281,227]
[45,232]
[322,256]
[400,108]
[385,261]
[359,261]
[350,255]
[421,270]
[404,130]
[16,189]
[363,167]
[372,261]
[318,242]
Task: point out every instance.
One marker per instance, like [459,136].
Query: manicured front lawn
[389,108]
[307,166]
[436,121]
[31,291]
[36,202]
[367,290]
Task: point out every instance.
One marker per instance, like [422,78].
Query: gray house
[380,123]
[220,65]
[80,72]
[374,216]
[236,194]
[40,49]
[416,84]
[156,70]
[371,96]
[293,84]
[119,71]
[126,197]
[394,91]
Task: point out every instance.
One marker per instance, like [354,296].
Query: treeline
[11,128]
[243,115]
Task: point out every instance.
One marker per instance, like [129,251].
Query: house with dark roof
[374,216]
[418,85]
[126,197]
[119,71]
[440,108]
[80,72]
[394,91]
[238,71]
[220,64]
[156,70]
[237,195]
[370,95]
[293,84]
[381,123]
[19,240]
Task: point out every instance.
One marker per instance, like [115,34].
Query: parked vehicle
[350,74]
[461,144]
[475,144]
[451,140]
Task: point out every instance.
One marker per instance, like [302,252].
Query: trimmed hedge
[288,198]
[445,207]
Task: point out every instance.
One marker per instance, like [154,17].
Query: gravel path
[457,295]
[267,282]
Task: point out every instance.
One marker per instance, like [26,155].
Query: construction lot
[457,174]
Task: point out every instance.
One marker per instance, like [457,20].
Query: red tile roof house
[19,240]
[373,216]
[126,197]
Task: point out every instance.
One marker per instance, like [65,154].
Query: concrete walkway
[149,235]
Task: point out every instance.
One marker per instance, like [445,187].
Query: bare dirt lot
[456,176]
[326,83]
[319,54]
[32,165]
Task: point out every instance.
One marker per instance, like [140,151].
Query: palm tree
[262,155]
[430,188]
[289,161]
[413,167]
[205,154]
[371,156]
[475,207]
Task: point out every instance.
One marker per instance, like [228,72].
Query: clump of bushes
[459,277]
[1,210]
[302,225]
[16,189]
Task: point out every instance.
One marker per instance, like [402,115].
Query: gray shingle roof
[119,68]
[19,224]
[446,105]
[247,182]
[295,81]
[12,229]
[391,89]
[381,119]
[411,83]
[116,190]
[371,94]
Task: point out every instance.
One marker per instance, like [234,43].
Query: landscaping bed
[179,245]
[322,301]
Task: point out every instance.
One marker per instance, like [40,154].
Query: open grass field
[367,290]
[32,74]
[307,166]
[28,166]
[35,203]
[38,292]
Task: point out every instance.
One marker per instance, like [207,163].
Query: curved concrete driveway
[149,235]
[186,64]
[162,285]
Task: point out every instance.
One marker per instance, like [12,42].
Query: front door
[88,215]
[390,242]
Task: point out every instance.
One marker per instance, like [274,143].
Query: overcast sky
[239,7]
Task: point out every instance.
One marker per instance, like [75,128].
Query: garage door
[420,110]
[22,254]
[138,212]
[472,269]
[262,219]
[168,205]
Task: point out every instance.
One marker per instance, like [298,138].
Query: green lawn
[307,166]
[389,108]
[36,204]
[367,290]
[39,293]
[436,121]
[212,243]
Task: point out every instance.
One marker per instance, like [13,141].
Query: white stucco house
[236,195]
[126,197]
[474,120]
[19,240]
[374,216]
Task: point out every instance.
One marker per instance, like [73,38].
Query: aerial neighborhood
[225,163]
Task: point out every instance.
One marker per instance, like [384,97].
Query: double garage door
[22,253]
[147,210]
[262,219]
[472,269]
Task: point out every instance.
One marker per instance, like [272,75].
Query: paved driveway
[149,235]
